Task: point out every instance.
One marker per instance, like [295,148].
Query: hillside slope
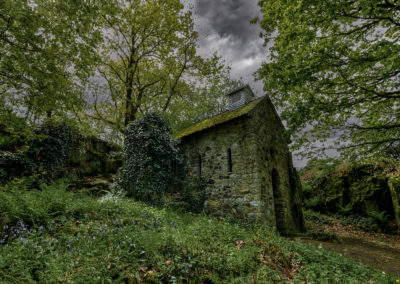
[55,236]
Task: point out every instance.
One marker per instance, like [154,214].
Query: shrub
[349,188]
[150,156]
[379,219]
[47,204]
[14,165]
[51,148]
[14,131]
[188,195]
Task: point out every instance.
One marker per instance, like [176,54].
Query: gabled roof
[247,86]
[218,119]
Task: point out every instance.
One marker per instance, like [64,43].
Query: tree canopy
[150,62]
[46,53]
[333,69]
[103,64]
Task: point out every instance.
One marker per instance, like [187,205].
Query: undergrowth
[49,235]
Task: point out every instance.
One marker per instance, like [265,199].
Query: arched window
[229,160]
[272,152]
[199,165]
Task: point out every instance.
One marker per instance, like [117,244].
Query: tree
[333,68]
[149,61]
[202,102]
[46,54]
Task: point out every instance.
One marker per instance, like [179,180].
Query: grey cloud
[229,17]
[224,26]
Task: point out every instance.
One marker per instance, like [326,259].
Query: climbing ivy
[150,157]
[51,147]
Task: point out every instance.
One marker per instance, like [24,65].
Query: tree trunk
[395,192]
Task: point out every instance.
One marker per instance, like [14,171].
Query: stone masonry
[244,156]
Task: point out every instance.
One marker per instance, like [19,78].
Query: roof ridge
[218,119]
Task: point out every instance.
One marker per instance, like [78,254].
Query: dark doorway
[279,214]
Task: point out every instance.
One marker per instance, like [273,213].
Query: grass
[49,235]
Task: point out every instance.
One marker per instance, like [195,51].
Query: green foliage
[187,195]
[14,131]
[14,165]
[352,188]
[150,63]
[56,149]
[394,187]
[47,50]
[393,151]
[150,157]
[333,68]
[317,218]
[36,207]
[93,168]
[120,240]
[51,148]
[313,176]
[354,191]
[102,64]
[345,210]
[380,219]
[93,156]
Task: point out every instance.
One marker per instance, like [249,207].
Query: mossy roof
[218,119]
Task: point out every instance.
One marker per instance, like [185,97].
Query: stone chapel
[243,154]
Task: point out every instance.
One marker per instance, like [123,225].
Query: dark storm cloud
[230,17]
[224,26]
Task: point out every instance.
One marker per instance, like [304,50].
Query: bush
[188,195]
[379,219]
[42,206]
[150,158]
[14,131]
[14,165]
[51,147]
[349,188]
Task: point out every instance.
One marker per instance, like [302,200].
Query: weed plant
[49,236]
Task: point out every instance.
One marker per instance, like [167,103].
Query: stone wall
[259,159]
[227,193]
[279,183]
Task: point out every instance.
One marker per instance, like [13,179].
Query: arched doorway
[278,202]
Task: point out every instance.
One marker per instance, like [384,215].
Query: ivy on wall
[150,157]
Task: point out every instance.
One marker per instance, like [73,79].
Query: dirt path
[377,250]
[380,257]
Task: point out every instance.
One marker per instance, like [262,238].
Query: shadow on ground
[377,256]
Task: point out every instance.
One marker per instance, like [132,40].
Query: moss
[221,118]
[94,156]
[358,188]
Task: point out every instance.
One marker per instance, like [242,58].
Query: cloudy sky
[224,26]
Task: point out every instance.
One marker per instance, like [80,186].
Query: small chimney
[240,97]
